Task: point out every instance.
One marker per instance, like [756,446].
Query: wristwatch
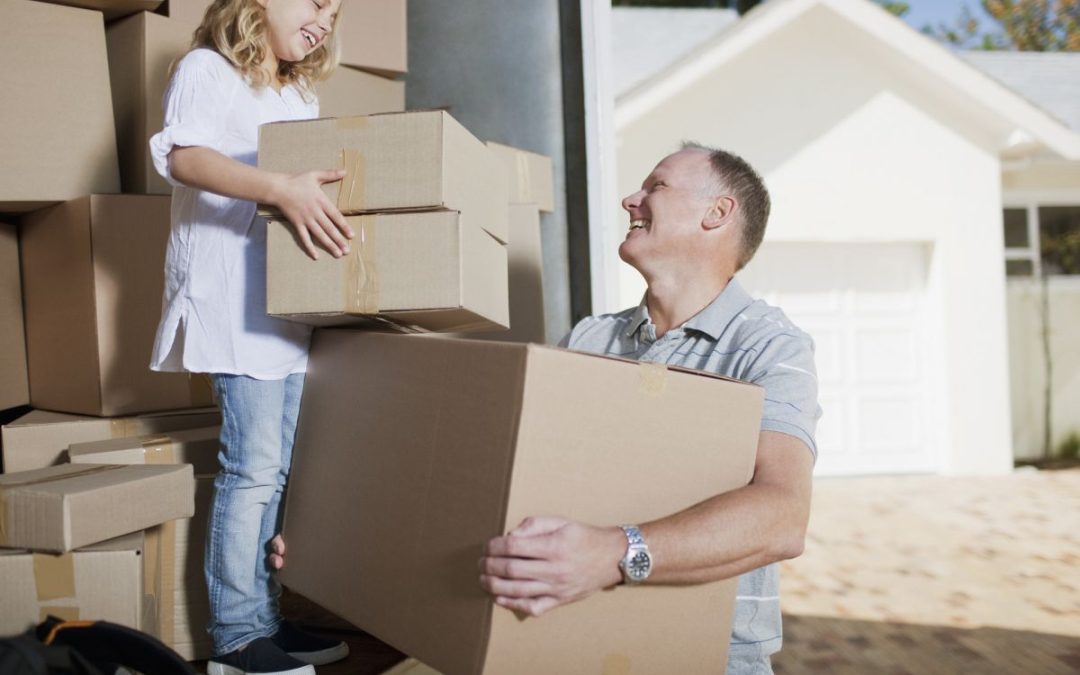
[637,564]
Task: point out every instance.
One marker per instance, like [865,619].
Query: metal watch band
[633,534]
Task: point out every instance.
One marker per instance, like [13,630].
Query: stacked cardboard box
[427,202]
[59,528]
[181,610]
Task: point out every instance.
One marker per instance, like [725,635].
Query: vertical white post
[600,143]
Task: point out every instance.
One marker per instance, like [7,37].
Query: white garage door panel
[863,304]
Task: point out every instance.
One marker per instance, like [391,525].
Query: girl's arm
[299,196]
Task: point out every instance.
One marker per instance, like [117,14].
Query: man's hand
[276,557]
[314,217]
[547,562]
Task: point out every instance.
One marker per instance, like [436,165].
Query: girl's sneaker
[258,657]
[309,648]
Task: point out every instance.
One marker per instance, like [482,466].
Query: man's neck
[671,304]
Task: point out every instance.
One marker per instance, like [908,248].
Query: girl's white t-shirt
[213,317]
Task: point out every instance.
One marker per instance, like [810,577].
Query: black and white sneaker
[258,657]
[309,648]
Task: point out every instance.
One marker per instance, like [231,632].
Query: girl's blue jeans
[258,426]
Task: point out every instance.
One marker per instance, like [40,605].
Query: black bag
[59,647]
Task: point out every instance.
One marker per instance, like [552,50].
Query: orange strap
[66,624]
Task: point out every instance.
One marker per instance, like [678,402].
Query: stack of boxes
[428,447]
[84,221]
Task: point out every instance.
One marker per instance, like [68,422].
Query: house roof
[680,61]
[647,40]
[1050,80]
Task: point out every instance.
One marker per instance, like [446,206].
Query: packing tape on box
[159,556]
[123,427]
[159,450]
[7,487]
[351,194]
[54,576]
[89,470]
[524,178]
[361,280]
[652,378]
[354,122]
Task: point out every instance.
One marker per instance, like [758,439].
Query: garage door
[864,305]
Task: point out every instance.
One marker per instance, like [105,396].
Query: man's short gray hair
[734,175]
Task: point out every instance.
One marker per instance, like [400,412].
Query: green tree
[1023,25]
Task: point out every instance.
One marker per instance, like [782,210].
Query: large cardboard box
[428,448]
[102,582]
[112,9]
[90,330]
[14,390]
[60,508]
[431,270]
[39,438]
[141,50]
[395,162]
[531,176]
[351,92]
[57,139]
[177,609]
[373,36]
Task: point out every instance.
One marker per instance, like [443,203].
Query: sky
[937,11]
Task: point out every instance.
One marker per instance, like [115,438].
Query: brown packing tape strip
[159,556]
[123,427]
[652,378]
[159,450]
[54,576]
[524,179]
[354,122]
[352,193]
[89,470]
[361,283]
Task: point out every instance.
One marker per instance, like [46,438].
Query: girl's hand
[303,203]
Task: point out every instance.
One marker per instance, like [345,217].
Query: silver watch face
[639,565]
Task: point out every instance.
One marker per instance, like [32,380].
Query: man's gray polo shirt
[735,336]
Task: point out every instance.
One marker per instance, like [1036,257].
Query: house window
[1042,239]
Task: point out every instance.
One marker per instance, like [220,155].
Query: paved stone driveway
[937,575]
[907,576]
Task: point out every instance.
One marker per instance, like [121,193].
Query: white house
[889,159]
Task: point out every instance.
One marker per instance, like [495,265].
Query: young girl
[252,62]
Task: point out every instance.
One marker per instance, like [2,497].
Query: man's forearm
[741,530]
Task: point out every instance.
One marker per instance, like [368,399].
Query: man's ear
[720,213]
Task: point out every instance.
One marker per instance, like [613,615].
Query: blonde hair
[236,29]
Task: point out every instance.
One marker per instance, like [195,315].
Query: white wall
[853,148]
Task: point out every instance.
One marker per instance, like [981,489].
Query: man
[696,221]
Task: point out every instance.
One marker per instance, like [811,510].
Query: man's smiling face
[666,214]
